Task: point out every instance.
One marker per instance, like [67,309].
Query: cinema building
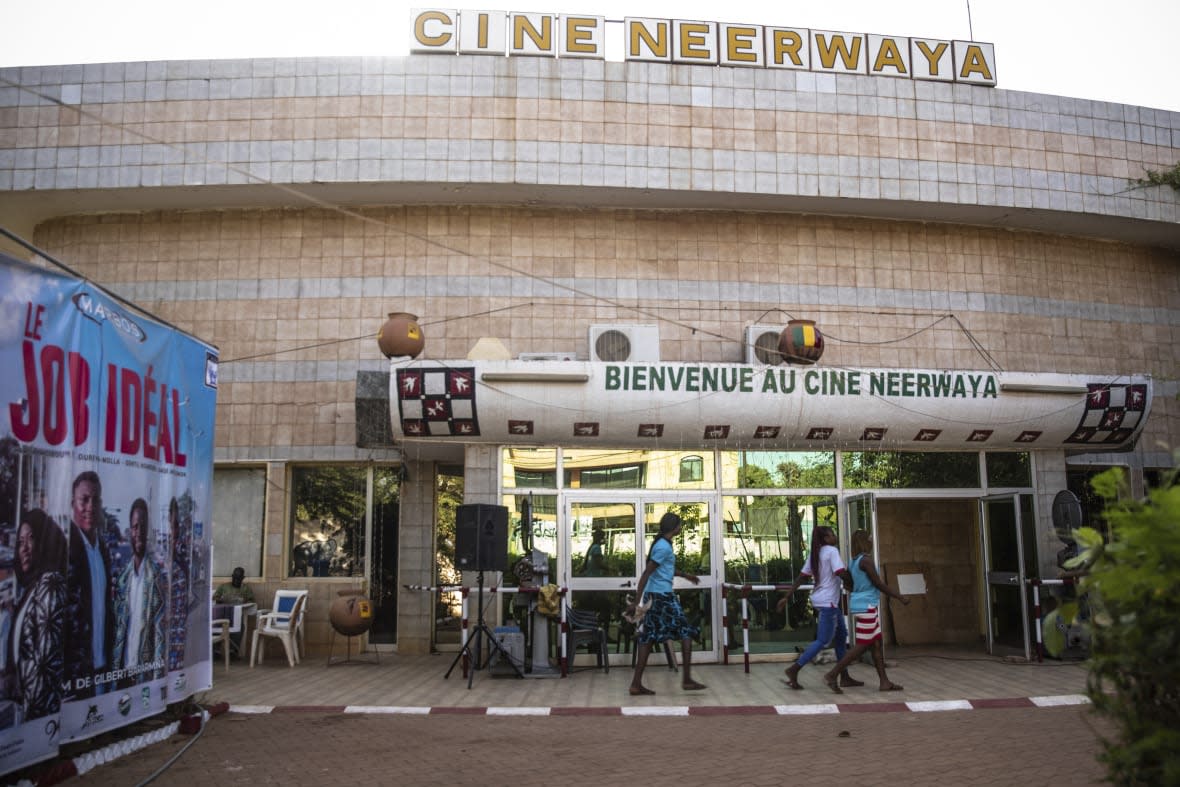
[602,257]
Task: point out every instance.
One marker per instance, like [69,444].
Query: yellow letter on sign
[433,31]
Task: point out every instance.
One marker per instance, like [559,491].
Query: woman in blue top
[863,603]
[665,619]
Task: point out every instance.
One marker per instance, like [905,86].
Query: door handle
[626,584]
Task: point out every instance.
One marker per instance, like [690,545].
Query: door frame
[846,528]
[993,577]
[639,498]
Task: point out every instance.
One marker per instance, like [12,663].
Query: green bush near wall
[1133,583]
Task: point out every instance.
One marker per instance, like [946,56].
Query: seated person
[235,591]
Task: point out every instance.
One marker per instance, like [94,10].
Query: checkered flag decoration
[1113,412]
[437,402]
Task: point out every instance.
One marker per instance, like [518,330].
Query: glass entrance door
[606,541]
[1006,551]
[860,513]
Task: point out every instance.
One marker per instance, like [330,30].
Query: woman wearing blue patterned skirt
[664,619]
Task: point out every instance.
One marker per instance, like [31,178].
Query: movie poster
[106,468]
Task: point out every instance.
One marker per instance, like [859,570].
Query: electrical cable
[303,196]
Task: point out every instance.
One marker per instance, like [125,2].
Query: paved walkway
[964,718]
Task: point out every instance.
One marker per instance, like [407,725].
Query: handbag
[636,616]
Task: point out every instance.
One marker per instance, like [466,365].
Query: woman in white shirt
[827,571]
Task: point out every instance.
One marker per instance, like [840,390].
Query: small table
[239,617]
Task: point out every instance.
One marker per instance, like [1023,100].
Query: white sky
[1111,50]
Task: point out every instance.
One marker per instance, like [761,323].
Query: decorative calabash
[801,342]
[401,336]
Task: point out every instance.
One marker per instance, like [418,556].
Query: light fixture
[1044,388]
[533,377]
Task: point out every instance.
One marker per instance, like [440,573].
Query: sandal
[833,684]
[641,691]
[692,685]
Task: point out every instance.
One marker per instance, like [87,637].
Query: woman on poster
[40,619]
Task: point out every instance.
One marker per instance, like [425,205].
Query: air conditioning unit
[760,346]
[547,357]
[619,343]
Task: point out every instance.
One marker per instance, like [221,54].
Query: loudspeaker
[481,538]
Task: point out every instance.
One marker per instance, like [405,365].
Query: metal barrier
[1035,584]
[745,590]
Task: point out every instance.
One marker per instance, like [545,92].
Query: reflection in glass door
[765,542]
[606,545]
[1005,556]
[692,557]
[600,562]
[860,513]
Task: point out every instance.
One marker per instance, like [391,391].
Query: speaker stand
[472,650]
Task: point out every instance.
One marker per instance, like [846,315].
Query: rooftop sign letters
[706,43]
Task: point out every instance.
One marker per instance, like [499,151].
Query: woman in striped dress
[864,604]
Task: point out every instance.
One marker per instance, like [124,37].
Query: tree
[1132,583]
[448,497]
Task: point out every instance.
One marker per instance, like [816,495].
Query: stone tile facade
[279,208]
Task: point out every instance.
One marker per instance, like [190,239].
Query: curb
[84,763]
[679,710]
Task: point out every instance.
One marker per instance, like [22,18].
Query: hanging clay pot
[801,342]
[351,613]
[401,336]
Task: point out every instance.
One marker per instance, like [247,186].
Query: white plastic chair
[283,602]
[219,632]
[282,625]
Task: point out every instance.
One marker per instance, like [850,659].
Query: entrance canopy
[739,406]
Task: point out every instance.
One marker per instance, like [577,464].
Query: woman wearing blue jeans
[827,571]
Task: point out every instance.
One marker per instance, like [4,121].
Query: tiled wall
[528,199]
[294,299]
[467,121]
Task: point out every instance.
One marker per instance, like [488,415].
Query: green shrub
[1134,588]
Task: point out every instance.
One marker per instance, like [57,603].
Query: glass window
[766,542]
[543,523]
[766,537]
[239,513]
[1079,480]
[778,469]
[631,469]
[1008,468]
[530,467]
[692,545]
[448,612]
[329,511]
[619,477]
[692,468]
[543,537]
[911,470]
[384,586]
[602,539]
